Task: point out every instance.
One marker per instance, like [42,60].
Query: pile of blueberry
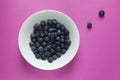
[49,40]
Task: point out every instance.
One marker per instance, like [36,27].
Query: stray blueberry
[89,25]
[101,13]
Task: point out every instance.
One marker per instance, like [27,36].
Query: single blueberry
[36,26]
[52,39]
[31,44]
[61,36]
[45,28]
[40,39]
[57,43]
[54,57]
[101,13]
[35,51]
[37,56]
[42,34]
[49,22]
[66,37]
[51,30]
[89,25]
[62,45]
[40,53]
[43,57]
[52,50]
[33,48]
[32,36]
[33,40]
[46,38]
[47,54]
[50,59]
[46,33]
[44,44]
[58,25]
[53,46]
[58,48]
[62,28]
[43,23]
[54,21]
[37,44]
[49,47]
[66,32]
[57,38]
[58,54]
[37,35]
[68,42]
[40,49]
[59,32]
[40,28]
[66,47]
[62,40]
[63,51]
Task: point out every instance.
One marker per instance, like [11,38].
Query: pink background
[98,57]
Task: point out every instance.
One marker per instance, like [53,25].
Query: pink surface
[98,57]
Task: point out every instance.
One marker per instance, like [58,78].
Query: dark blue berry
[62,27]
[59,32]
[46,28]
[54,21]
[36,34]
[66,32]
[43,57]
[49,22]
[40,53]
[49,47]
[40,49]
[54,57]
[33,40]
[101,13]
[66,47]
[35,52]
[43,23]
[62,45]
[31,44]
[58,25]
[50,59]
[89,25]
[46,38]
[37,56]
[63,51]
[61,36]
[33,48]
[53,46]
[57,38]
[32,36]
[44,44]
[68,42]
[46,33]
[52,50]
[40,40]
[58,54]
[58,48]
[51,30]
[37,44]
[42,34]
[36,26]
[62,40]
[47,54]
[57,43]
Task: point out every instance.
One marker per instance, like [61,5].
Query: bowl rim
[38,12]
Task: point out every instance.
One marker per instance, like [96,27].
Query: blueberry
[54,57]
[49,47]
[43,57]
[54,21]
[47,54]
[33,48]
[52,35]
[37,35]
[37,56]
[61,36]
[62,40]
[40,49]
[52,50]
[42,34]
[101,13]
[59,32]
[40,39]
[31,44]
[49,22]
[44,44]
[51,30]
[57,43]
[45,49]
[36,26]
[52,39]
[66,47]
[33,40]
[89,25]
[35,52]
[40,53]
[66,37]
[53,46]
[68,42]
[50,59]
[43,23]
[58,48]
[58,25]
[57,38]
[62,27]
[66,32]
[55,34]
[63,51]
[58,54]
[46,28]
[37,44]
[49,43]
[46,33]
[62,45]
[40,28]
[32,36]
[46,38]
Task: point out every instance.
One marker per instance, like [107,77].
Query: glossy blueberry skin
[50,59]
[46,38]
[33,48]
[54,21]
[37,56]
[36,26]
[58,54]
[58,25]
[43,44]
[54,57]
[57,38]
[40,40]
[49,22]
[43,23]
[43,57]
[63,51]
[37,44]
[40,49]
[58,48]
[31,44]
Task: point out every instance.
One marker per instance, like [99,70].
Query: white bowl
[27,28]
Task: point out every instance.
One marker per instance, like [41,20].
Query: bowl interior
[27,29]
